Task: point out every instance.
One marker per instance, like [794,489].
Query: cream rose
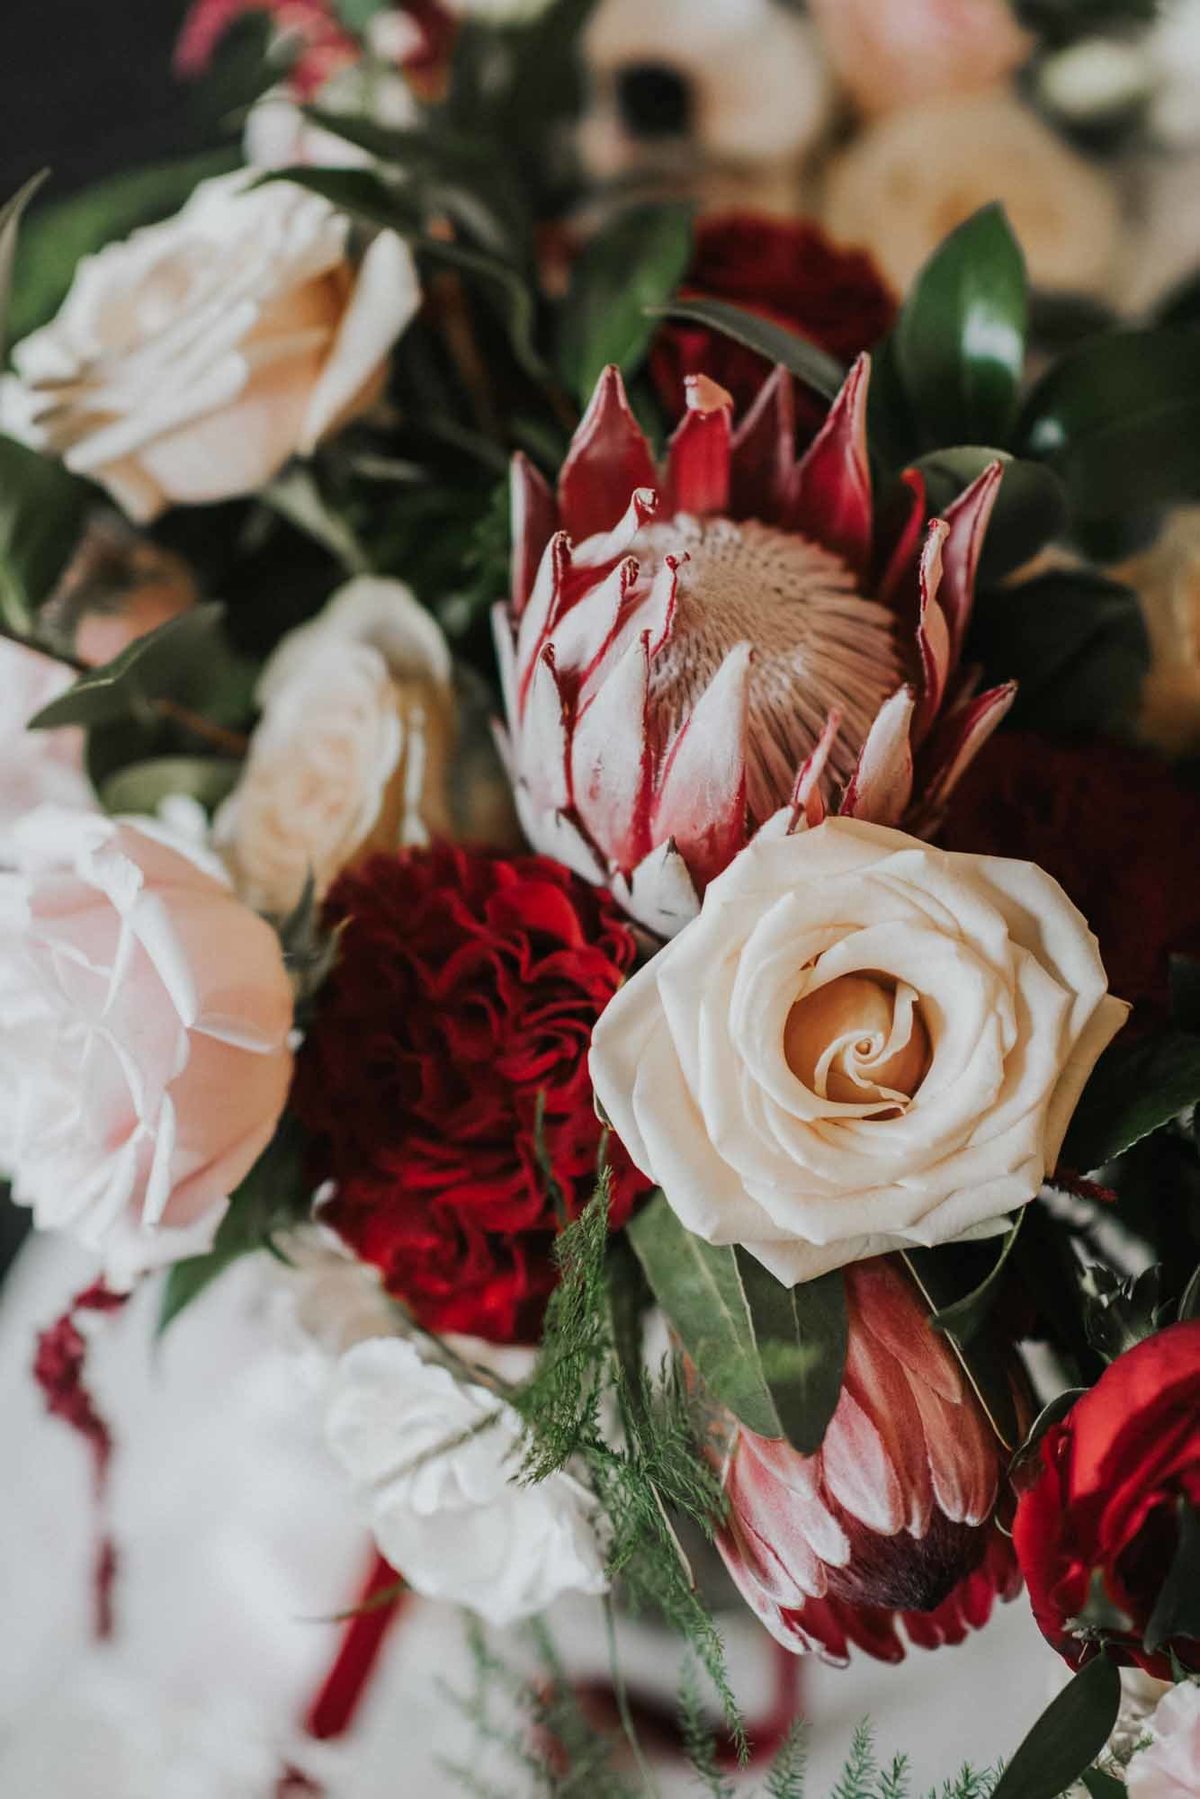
[908,180]
[351,752]
[190,361]
[891,54]
[436,1461]
[861,1043]
[144,1024]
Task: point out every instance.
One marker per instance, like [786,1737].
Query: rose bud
[892,1521]
[1098,1527]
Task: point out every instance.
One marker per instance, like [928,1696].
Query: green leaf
[1030,509]
[1184,977]
[802,1333]
[700,1290]
[41,511]
[56,237]
[963,1318]
[1177,1611]
[775,343]
[960,338]
[356,15]
[143,785]
[10,220]
[1074,642]
[1068,1736]
[1119,421]
[295,496]
[625,275]
[1135,1088]
[146,670]
[1101,1785]
[938,1274]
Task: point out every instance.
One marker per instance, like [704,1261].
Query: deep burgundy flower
[445,1081]
[1097,1528]
[892,1521]
[1117,831]
[787,271]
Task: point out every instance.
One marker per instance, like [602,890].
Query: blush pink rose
[891,54]
[144,1024]
[36,767]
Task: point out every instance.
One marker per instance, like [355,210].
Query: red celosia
[445,1081]
[892,1521]
[787,271]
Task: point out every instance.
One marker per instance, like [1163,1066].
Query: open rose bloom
[688,649]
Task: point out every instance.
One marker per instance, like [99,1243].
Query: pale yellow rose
[191,361]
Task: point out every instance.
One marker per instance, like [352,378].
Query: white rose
[350,754]
[144,1024]
[861,1043]
[36,767]
[190,361]
[436,1462]
[908,180]
[1169,1766]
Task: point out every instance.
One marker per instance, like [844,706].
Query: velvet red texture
[445,1082]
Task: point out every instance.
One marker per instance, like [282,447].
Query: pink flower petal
[610,760]
[832,504]
[534,518]
[608,458]
[968,519]
[701,801]
[881,786]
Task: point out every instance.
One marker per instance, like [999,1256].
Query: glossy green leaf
[1177,1611]
[1068,1736]
[802,1333]
[1135,1088]
[1119,421]
[144,785]
[700,1290]
[10,222]
[1030,509]
[960,338]
[1074,642]
[938,1274]
[41,512]
[963,1318]
[147,669]
[625,275]
[774,343]
[1102,1786]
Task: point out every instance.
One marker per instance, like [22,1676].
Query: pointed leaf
[772,342]
[145,670]
[802,1333]
[10,220]
[1068,1736]
[700,1290]
[963,1317]
[1135,1088]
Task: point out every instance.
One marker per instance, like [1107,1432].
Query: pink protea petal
[956,742]
[584,634]
[610,760]
[832,502]
[962,1459]
[539,613]
[534,517]
[933,631]
[595,554]
[543,755]
[898,580]
[881,786]
[698,461]
[609,457]
[859,1473]
[806,801]
[701,804]
[968,519]
[763,452]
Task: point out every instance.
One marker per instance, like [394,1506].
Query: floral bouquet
[572,786]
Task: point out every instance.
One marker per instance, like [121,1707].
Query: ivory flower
[144,1023]
[910,179]
[1169,1766]
[436,1462]
[862,1043]
[350,753]
[190,361]
[36,767]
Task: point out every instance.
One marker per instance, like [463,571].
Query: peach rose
[891,54]
[144,1023]
[190,361]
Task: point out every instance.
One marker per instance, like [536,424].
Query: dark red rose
[445,1083]
[1117,832]
[783,270]
[1098,1524]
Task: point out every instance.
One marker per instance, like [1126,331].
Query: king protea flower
[892,1521]
[686,652]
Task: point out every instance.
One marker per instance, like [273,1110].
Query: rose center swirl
[859,1040]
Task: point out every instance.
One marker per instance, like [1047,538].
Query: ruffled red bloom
[892,1521]
[1118,833]
[786,271]
[445,1082]
[1098,1527]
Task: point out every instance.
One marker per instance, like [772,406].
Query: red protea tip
[686,649]
[891,1522]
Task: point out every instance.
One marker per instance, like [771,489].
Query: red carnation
[1097,1530]
[1115,829]
[785,271]
[445,1079]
